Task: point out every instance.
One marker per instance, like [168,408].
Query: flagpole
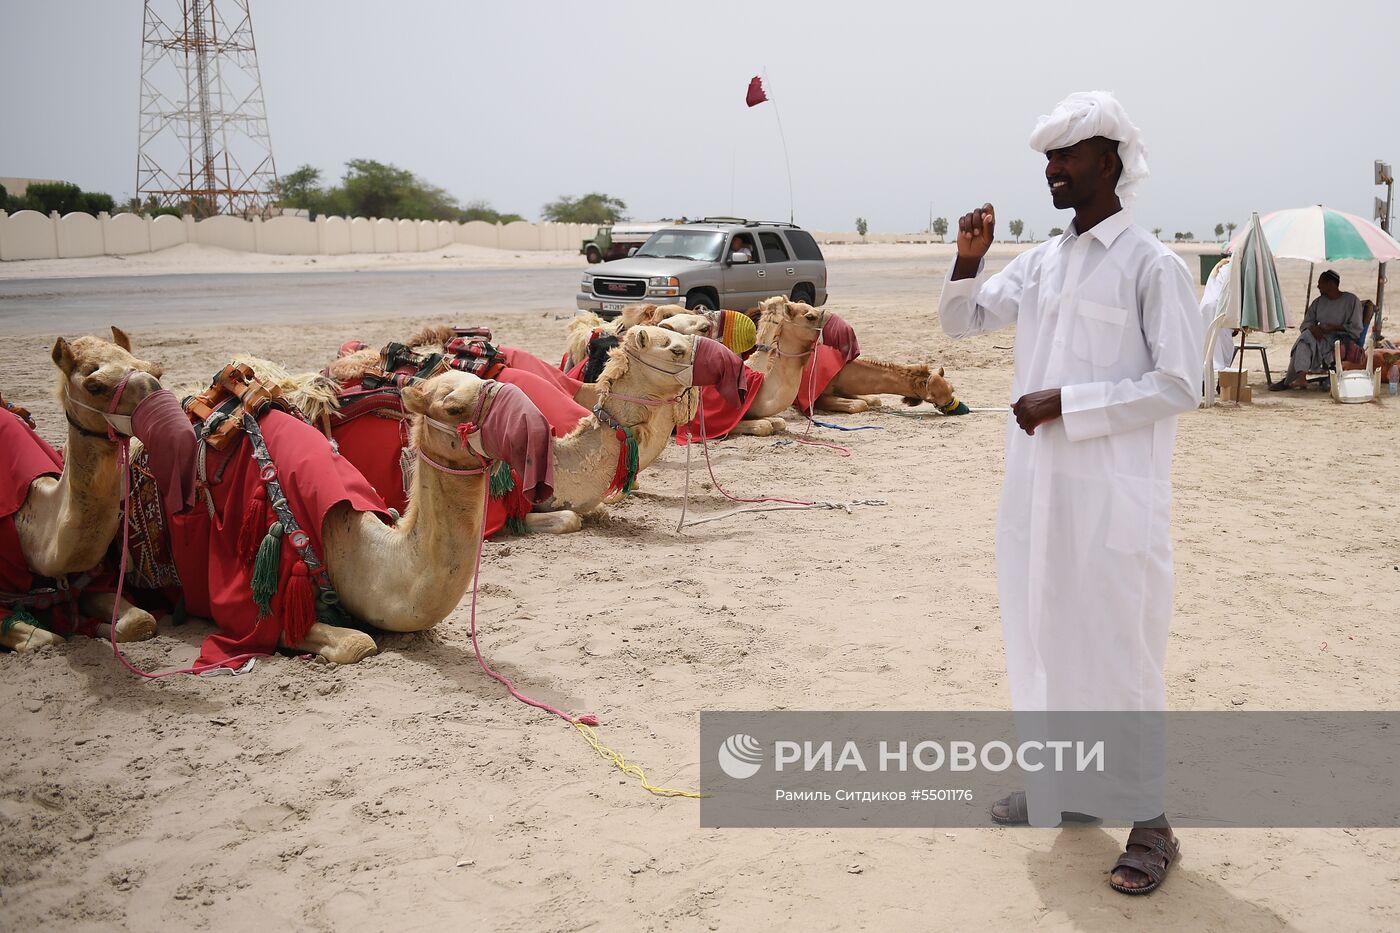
[783,136]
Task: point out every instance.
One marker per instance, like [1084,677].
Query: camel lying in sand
[66,524]
[859,384]
[402,577]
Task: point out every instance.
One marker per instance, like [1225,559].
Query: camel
[66,525]
[649,364]
[787,331]
[409,576]
[860,383]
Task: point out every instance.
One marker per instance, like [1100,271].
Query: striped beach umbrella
[1320,234]
[1254,300]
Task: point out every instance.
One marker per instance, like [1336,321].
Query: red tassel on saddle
[298,604]
[254,527]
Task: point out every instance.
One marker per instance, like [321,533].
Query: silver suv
[716,262]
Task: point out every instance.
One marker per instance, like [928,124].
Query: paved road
[29,306]
[148,303]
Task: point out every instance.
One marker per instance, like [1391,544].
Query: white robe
[1216,285]
[1084,554]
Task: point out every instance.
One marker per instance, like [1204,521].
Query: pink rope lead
[587,719]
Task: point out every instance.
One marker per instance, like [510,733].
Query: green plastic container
[1208,261]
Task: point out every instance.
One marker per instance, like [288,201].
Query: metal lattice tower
[203,136]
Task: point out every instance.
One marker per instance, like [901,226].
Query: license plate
[614,306]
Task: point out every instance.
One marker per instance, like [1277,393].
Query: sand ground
[409,792]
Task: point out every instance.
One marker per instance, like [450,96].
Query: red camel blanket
[372,434]
[720,414]
[214,555]
[24,457]
[822,367]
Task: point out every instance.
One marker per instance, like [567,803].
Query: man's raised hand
[976,230]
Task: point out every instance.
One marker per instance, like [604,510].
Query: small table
[1263,354]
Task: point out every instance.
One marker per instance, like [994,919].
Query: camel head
[94,373]
[656,363]
[938,390]
[689,322]
[790,326]
[443,405]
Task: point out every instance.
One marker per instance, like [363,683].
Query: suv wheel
[594,255]
[804,294]
[699,301]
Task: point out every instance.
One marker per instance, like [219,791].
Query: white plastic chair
[1355,385]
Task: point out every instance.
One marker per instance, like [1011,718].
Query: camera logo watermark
[740,756]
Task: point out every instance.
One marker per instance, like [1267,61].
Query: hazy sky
[888,106]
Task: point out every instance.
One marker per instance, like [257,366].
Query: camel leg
[134,625]
[758,427]
[337,645]
[21,636]
[872,401]
[779,423]
[553,523]
[845,406]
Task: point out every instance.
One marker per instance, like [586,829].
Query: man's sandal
[1018,815]
[1155,863]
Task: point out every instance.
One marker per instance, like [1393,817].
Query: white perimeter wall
[31,235]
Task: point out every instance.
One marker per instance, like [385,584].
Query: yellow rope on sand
[628,768]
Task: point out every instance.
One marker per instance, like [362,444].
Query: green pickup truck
[616,241]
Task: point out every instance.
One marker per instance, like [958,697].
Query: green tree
[1219,231]
[1157,232]
[940,227]
[1230,229]
[301,188]
[1056,231]
[1017,227]
[481,210]
[4,197]
[861,226]
[592,208]
[60,196]
[377,189]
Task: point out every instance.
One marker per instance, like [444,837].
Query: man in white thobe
[1217,284]
[1108,353]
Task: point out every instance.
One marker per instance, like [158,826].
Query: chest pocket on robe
[1098,332]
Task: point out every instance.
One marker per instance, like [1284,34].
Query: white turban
[1088,114]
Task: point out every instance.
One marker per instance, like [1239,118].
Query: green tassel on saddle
[18,614]
[266,568]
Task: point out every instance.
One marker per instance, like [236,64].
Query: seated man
[743,246]
[1334,315]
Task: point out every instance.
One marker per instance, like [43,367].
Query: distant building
[18,186]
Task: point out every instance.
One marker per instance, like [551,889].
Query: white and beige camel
[787,332]
[409,576]
[859,384]
[66,525]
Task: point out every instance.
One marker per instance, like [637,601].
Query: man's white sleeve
[982,304]
[1171,323]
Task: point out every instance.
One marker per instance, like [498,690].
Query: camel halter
[117,425]
[467,433]
[778,351]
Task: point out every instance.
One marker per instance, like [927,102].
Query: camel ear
[640,338]
[940,370]
[415,399]
[120,338]
[63,356]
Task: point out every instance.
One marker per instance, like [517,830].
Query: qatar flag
[756,95]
